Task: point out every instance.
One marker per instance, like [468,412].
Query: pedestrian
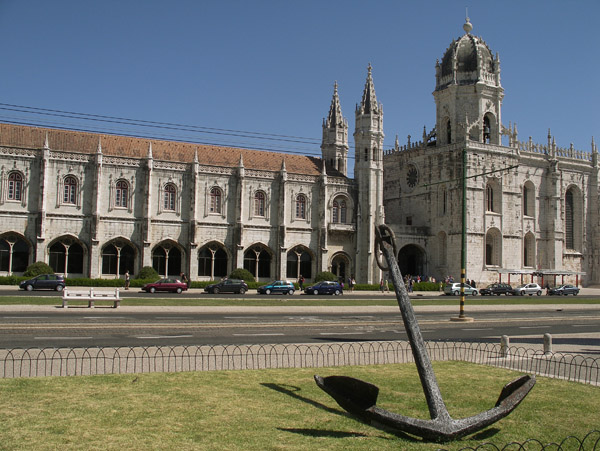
[185,280]
[301,282]
[381,285]
[127,280]
[353,283]
[387,286]
[473,283]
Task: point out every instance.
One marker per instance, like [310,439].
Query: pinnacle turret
[369,103]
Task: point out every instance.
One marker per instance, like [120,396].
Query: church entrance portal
[411,260]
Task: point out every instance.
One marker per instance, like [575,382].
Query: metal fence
[36,362]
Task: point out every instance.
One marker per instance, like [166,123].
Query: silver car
[454,289]
[527,288]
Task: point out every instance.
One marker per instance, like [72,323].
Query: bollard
[504,345]
[547,344]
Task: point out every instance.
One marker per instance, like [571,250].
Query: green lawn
[272,410]
[251,299]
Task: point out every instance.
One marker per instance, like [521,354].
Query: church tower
[334,145]
[368,173]
[468,94]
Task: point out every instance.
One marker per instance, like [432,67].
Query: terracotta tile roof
[123,146]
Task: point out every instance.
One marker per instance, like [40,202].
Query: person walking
[301,282]
[127,280]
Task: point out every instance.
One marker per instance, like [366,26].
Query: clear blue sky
[268,67]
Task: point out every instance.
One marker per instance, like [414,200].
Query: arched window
[366,154]
[70,190]
[340,266]
[15,186]
[215,200]
[529,250]
[299,263]
[528,199]
[569,220]
[66,256]
[212,262]
[487,131]
[339,211]
[258,261]
[166,260]
[449,132]
[301,206]
[259,203]
[493,247]
[121,194]
[14,254]
[169,196]
[117,259]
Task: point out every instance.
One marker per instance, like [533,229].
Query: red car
[168,284]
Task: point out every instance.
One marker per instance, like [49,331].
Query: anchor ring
[384,233]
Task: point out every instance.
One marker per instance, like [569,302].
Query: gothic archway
[411,260]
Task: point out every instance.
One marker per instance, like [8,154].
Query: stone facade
[531,209]
[99,205]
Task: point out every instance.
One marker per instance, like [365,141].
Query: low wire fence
[42,362]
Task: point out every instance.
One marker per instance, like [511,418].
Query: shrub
[325,275]
[426,286]
[147,273]
[37,268]
[241,273]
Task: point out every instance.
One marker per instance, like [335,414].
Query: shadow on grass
[292,391]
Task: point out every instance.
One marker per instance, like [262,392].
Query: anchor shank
[437,407]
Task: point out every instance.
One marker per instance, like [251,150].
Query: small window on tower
[409,220]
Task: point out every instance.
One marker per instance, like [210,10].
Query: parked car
[527,288]
[228,286]
[454,289]
[564,290]
[166,284]
[326,287]
[497,289]
[279,286]
[44,282]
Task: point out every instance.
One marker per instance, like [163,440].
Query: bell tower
[468,91]
[368,172]
[334,145]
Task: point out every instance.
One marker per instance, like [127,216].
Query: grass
[251,300]
[272,410]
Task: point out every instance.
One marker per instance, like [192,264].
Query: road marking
[485,328]
[171,317]
[258,335]
[533,327]
[63,338]
[341,333]
[104,317]
[584,325]
[240,317]
[163,336]
[24,317]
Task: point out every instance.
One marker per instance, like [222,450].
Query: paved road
[575,328]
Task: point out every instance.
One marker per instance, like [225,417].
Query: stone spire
[334,144]
[369,99]
[335,118]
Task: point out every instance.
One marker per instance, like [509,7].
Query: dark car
[279,286]
[564,290]
[168,284]
[497,289]
[44,282]
[228,286]
[326,287]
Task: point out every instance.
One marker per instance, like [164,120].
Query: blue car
[326,287]
[279,286]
